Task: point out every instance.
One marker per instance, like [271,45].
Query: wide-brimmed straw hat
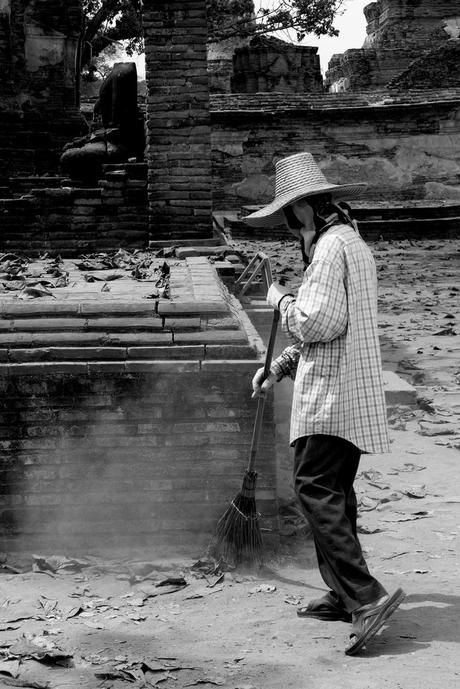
[297,177]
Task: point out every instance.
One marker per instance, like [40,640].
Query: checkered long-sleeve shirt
[335,357]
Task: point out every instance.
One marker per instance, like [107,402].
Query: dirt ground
[112,627]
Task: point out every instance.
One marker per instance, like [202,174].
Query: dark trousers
[324,471]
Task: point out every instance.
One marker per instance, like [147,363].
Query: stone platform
[126,420]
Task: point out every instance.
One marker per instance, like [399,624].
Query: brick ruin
[94,381]
[401,35]
[268,64]
[38,105]
[179,131]
[127,416]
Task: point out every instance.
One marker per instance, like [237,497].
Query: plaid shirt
[335,357]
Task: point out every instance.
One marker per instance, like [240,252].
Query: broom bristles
[238,537]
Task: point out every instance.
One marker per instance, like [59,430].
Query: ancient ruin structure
[120,134]
[38,114]
[129,409]
[179,132]
[268,64]
[399,32]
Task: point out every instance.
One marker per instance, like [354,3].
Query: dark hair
[292,220]
[323,206]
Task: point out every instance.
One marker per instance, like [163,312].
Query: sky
[351,25]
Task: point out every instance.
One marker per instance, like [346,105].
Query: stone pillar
[178,122]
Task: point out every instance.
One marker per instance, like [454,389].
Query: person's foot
[368,619]
[327,608]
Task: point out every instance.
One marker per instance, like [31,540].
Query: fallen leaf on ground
[35,293]
[402,517]
[408,467]
[367,504]
[89,277]
[391,557]
[292,600]
[205,680]
[9,667]
[55,563]
[20,614]
[368,530]
[51,654]
[263,588]
[417,492]
[204,592]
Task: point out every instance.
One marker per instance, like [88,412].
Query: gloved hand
[259,385]
[276,293]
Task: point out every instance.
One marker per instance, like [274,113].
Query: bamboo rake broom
[238,536]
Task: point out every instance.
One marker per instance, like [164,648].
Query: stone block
[397,390]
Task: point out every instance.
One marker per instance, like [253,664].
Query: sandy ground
[240,631]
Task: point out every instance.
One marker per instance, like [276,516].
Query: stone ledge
[171,308]
[397,390]
[173,366]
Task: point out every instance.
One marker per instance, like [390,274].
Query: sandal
[370,618]
[326,609]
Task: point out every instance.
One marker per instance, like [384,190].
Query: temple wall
[38,114]
[398,32]
[68,432]
[406,149]
[126,422]
[71,221]
[178,148]
[268,64]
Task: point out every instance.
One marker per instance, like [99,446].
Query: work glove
[276,293]
[261,386]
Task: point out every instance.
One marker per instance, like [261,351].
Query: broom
[238,537]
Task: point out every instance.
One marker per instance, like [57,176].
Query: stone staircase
[80,322]
[320,101]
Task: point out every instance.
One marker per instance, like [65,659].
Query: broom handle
[261,400]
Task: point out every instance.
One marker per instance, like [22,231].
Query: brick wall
[97,459]
[38,111]
[402,144]
[398,32]
[268,64]
[178,150]
[126,422]
[72,221]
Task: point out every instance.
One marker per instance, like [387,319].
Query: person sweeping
[338,407]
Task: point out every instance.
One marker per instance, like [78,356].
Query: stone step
[58,309]
[205,250]
[424,227]
[195,242]
[417,211]
[116,353]
[23,185]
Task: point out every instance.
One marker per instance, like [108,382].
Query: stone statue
[121,136]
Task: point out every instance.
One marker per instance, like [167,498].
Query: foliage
[109,21]
[234,17]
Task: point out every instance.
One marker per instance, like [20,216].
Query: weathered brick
[173,352]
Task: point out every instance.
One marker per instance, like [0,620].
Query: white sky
[351,25]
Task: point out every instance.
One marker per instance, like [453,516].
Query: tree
[229,18]
[107,22]
[110,21]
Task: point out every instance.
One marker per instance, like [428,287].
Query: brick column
[178,144]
